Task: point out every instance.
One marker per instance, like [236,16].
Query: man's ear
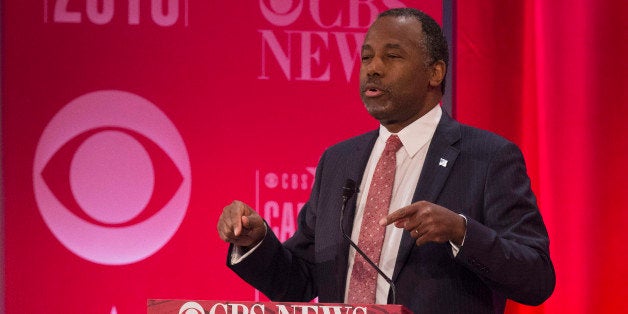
[439,68]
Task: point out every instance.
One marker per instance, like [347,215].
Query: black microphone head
[348,189]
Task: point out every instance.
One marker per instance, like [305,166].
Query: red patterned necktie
[363,280]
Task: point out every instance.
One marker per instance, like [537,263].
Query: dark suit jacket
[505,253]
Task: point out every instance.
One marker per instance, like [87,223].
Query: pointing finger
[395,216]
[237,211]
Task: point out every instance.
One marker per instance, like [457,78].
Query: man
[460,231]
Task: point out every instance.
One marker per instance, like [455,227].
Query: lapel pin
[443,163]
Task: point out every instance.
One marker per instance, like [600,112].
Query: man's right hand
[241,225]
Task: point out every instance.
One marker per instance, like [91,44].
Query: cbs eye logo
[112,177]
[281,12]
[191,308]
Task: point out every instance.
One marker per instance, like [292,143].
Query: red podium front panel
[233,307]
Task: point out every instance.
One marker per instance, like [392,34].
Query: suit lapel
[439,161]
[362,150]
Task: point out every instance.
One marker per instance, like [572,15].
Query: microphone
[348,190]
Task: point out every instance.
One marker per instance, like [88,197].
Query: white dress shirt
[416,138]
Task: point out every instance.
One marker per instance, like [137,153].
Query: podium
[159,306]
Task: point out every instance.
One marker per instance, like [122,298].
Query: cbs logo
[112,177]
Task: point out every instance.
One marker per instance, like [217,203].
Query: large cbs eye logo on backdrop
[112,177]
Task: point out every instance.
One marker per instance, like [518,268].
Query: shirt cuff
[456,248]
[239,253]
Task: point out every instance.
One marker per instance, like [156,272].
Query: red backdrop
[128,125]
[550,76]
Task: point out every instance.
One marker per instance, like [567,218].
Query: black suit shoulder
[481,144]
[356,142]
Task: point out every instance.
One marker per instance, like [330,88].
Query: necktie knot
[393,144]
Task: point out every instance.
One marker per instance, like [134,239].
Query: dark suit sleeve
[284,272]
[275,271]
[509,249]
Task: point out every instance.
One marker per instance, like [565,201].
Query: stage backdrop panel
[128,125]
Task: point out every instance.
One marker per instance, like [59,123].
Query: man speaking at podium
[445,210]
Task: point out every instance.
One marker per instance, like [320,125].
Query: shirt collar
[416,134]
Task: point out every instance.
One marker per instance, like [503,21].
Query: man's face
[394,80]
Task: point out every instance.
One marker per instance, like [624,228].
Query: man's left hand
[428,222]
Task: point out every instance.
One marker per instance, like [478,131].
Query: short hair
[433,41]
